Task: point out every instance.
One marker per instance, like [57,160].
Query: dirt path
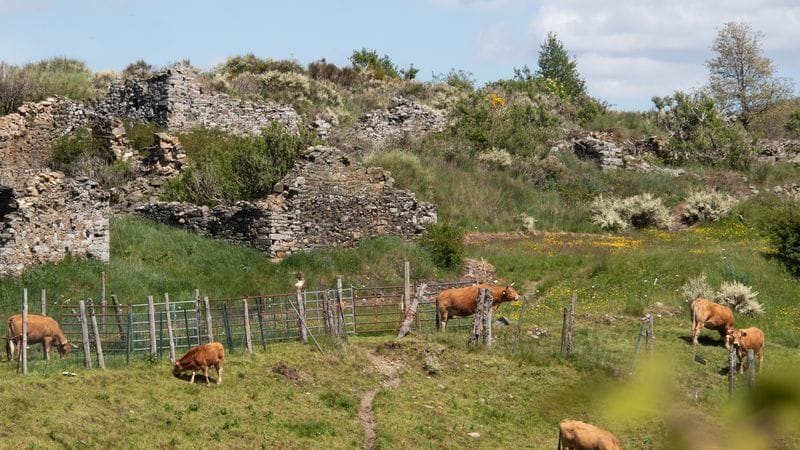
[391,380]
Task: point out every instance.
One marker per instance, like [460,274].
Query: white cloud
[634,49]
[497,44]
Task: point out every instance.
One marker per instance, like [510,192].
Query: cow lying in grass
[747,339]
[463,301]
[41,330]
[577,435]
[713,316]
[201,358]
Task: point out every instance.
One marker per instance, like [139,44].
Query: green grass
[514,400]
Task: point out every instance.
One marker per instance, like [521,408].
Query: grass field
[446,391]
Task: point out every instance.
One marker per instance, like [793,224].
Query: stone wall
[50,217]
[325,201]
[403,117]
[175,99]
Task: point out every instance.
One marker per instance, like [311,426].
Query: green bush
[62,76]
[250,63]
[82,153]
[783,229]
[707,206]
[698,132]
[224,168]
[459,79]
[793,124]
[380,67]
[445,244]
[323,70]
[141,134]
[639,211]
[139,69]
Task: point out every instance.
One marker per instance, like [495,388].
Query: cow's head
[509,294]
[64,348]
[177,369]
[734,337]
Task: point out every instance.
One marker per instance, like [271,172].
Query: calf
[713,316]
[201,358]
[41,330]
[462,301]
[747,339]
[577,435]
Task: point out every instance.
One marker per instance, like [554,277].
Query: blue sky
[627,50]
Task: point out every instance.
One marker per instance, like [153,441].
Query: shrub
[225,168]
[445,245]
[80,144]
[380,67]
[639,211]
[250,63]
[496,158]
[141,134]
[16,86]
[460,79]
[697,287]
[739,297]
[707,206]
[323,70]
[139,70]
[793,124]
[698,132]
[782,226]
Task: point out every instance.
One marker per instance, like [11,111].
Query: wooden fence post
[301,311]
[571,327]
[43,300]
[170,335]
[209,326]
[117,316]
[411,311]
[103,303]
[406,286]
[259,307]
[248,339]
[197,320]
[482,325]
[151,314]
[327,317]
[340,308]
[87,354]
[636,347]
[23,350]
[751,368]
[731,370]
[98,345]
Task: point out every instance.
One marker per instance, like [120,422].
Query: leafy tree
[139,69]
[783,230]
[741,78]
[381,67]
[555,64]
[793,124]
[698,133]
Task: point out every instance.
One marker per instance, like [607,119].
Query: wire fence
[139,332]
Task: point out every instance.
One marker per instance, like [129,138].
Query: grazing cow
[41,330]
[201,358]
[462,301]
[577,435]
[747,339]
[713,316]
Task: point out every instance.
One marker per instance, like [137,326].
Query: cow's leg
[10,349]
[191,380]
[46,348]
[443,320]
[205,372]
[218,366]
[760,360]
[724,336]
[695,333]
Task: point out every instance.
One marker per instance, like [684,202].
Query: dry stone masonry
[178,101]
[404,116]
[50,217]
[325,201]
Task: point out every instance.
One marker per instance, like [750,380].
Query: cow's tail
[559,439]
[10,335]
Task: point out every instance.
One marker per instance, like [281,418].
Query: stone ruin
[176,100]
[52,217]
[325,201]
[402,117]
[611,153]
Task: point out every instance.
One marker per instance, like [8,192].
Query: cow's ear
[744,333]
[512,284]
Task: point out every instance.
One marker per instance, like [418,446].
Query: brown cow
[201,358]
[713,316]
[41,330]
[577,435]
[462,301]
[747,339]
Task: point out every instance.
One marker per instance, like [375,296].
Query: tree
[742,79]
[381,67]
[555,64]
